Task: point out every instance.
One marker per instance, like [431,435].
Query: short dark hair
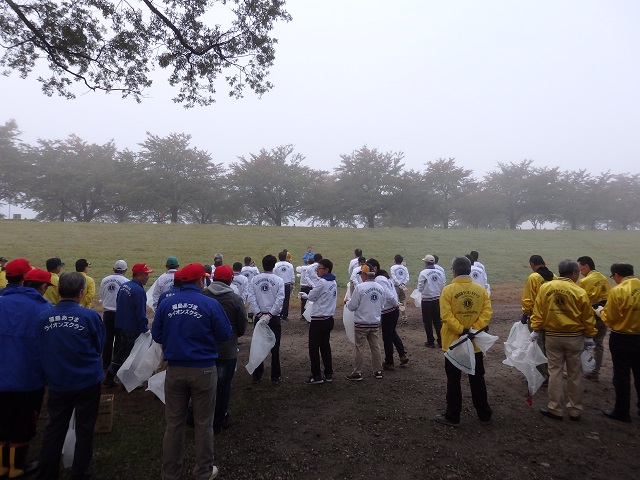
[474,255]
[567,267]
[398,259]
[587,261]
[33,284]
[436,258]
[622,269]
[361,259]
[71,284]
[461,266]
[247,261]
[317,257]
[357,252]
[237,267]
[536,260]
[374,263]
[326,263]
[268,262]
[470,259]
[282,256]
[15,279]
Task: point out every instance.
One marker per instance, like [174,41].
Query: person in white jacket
[164,281]
[430,284]
[400,277]
[285,271]
[240,282]
[366,303]
[266,294]
[324,296]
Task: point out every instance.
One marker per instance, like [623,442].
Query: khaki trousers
[363,336]
[561,351]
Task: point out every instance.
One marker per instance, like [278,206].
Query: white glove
[533,336]
[599,310]
[589,343]
[303,295]
[266,317]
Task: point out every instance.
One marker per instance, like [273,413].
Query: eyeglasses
[321,268]
[612,275]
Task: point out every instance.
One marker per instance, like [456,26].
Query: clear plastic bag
[417,298]
[588,361]
[156,385]
[262,341]
[69,446]
[127,373]
[348,319]
[524,355]
[307,311]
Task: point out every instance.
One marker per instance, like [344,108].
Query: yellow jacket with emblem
[51,293]
[531,288]
[89,291]
[463,305]
[596,285]
[622,311]
[563,309]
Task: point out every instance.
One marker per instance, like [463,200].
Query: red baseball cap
[223,272]
[193,271]
[17,267]
[141,268]
[37,275]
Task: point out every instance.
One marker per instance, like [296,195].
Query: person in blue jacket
[131,319]
[70,342]
[21,373]
[188,325]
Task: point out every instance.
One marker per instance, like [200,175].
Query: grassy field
[504,253]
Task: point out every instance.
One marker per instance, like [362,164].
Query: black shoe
[429,345]
[354,377]
[275,381]
[227,422]
[547,413]
[328,377]
[314,381]
[110,383]
[615,416]
[574,418]
[445,421]
[256,381]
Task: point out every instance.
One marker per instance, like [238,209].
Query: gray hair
[461,266]
[567,267]
[71,284]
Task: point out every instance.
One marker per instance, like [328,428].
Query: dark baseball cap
[54,263]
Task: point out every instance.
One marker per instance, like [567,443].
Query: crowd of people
[51,337]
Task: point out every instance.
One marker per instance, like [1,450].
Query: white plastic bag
[417,298]
[347,294]
[348,319]
[307,311]
[69,446]
[262,341]
[150,295]
[150,362]
[484,341]
[127,372]
[156,385]
[588,362]
[462,356]
[524,355]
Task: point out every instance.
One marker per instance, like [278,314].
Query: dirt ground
[384,429]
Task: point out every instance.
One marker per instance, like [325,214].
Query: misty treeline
[168,180]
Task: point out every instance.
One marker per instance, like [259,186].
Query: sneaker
[429,345]
[313,380]
[445,421]
[110,383]
[328,377]
[378,375]
[275,381]
[404,359]
[388,367]
[356,377]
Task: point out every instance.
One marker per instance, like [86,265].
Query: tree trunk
[371,220]
[174,214]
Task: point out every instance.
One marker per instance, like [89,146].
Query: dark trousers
[478,391]
[390,337]
[109,320]
[19,414]
[60,406]
[431,319]
[122,348]
[226,368]
[319,345]
[625,354]
[275,326]
[303,301]
[284,314]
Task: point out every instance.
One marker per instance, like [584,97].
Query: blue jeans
[226,369]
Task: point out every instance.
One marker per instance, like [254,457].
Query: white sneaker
[214,473]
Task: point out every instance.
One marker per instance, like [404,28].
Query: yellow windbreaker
[622,311]
[3,279]
[51,293]
[596,285]
[530,292]
[563,309]
[89,291]
[463,304]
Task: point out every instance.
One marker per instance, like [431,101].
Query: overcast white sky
[486,81]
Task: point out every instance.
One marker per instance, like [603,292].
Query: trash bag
[348,319]
[127,372]
[588,361]
[347,294]
[307,311]
[156,385]
[150,295]
[417,298]
[262,341]
[484,341]
[524,355]
[462,356]
[149,362]
[69,446]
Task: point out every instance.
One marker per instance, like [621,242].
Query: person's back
[562,308]
[366,303]
[596,285]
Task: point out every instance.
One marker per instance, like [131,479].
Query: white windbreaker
[163,283]
[285,271]
[430,283]
[352,265]
[366,303]
[390,294]
[241,283]
[249,272]
[478,276]
[266,294]
[109,290]
[304,280]
[399,274]
[324,296]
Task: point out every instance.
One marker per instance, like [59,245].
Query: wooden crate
[104,423]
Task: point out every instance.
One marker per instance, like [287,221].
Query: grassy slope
[505,253]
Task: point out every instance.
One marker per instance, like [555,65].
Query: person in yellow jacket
[563,311]
[3,274]
[622,315]
[54,267]
[597,287]
[90,291]
[464,305]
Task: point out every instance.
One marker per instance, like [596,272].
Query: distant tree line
[168,180]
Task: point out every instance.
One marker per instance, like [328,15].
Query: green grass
[505,253]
